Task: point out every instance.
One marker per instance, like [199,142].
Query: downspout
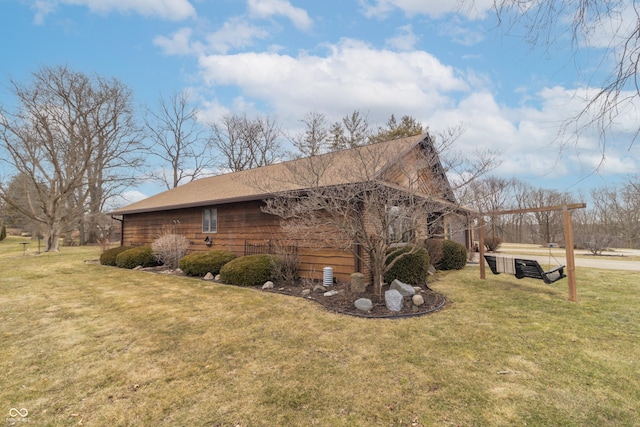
[121,228]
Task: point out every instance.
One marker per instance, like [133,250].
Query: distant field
[84,344]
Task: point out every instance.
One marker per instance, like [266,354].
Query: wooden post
[481,246]
[571,264]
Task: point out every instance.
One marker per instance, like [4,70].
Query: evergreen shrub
[198,264]
[250,270]
[454,256]
[411,268]
[137,256]
[108,257]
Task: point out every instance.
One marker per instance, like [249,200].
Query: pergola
[568,239]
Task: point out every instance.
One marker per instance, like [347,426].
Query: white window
[210,220]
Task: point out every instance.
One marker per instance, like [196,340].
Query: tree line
[73,142]
[611,219]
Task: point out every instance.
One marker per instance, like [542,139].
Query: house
[227,211]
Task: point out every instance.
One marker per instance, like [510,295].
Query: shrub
[284,267]
[108,257]
[250,270]
[411,268]
[200,263]
[434,248]
[454,256]
[168,249]
[139,255]
[492,243]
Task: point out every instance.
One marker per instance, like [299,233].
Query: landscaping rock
[268,285]
[217,278]
[357,283]
[418,300]
[418,289]
[404,289]
[364,304]
[331,293]
[393,299]
[208,276]
[306,292]
[319,289]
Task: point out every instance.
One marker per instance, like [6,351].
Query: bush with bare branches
[169,248]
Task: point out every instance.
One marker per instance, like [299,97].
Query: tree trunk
[52,239]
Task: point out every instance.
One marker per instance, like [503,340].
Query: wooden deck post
[481,246]
[571,263]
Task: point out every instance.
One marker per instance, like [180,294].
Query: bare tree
[619,210]
[116,153]
[246,144]
[56,138]
[314,139]
[178,140]
[588,22]
[372,213]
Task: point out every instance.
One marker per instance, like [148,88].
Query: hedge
[137,256]
[454,256]
[108,257]
[200,263]
[250,270]
[412,268]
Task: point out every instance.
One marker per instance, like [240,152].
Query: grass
[84,344]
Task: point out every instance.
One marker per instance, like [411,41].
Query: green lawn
[84,344]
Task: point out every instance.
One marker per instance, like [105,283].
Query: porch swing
[521,267]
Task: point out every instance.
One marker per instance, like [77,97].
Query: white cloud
[352,76]
[433,8]
[269,8]
[173,10]
[235,33]
[179,43]
[124,199]
[405,40]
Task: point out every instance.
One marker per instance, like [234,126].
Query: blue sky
[424,58]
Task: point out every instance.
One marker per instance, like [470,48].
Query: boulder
[363,304]
[319,289]
[331,293]
[306,292]
[404,289]
[393,299]
[208,276]
[358,284]
[268,285]
[418,300]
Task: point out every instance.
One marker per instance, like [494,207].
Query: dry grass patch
[94,345]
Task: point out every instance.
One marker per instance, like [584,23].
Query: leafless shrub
[492,243]
[285,264]
[169,248]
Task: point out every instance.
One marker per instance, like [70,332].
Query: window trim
[212,213]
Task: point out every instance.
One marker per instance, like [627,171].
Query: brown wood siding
[237,223]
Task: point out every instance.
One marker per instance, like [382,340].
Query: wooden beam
[571,264]
[540,209]
[568,239]
[481,247]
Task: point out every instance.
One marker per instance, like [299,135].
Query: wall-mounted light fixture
[208,241]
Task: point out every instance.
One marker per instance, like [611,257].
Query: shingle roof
[336,168]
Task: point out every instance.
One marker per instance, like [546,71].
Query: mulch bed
[344,301]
